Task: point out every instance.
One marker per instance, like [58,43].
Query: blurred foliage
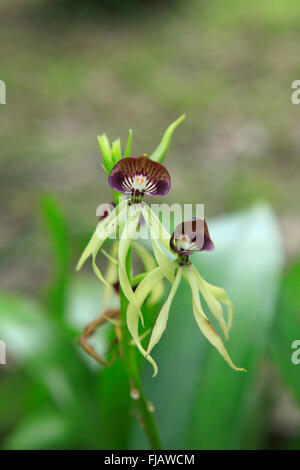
[64,400]
[70,74]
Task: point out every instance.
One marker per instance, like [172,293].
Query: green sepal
[206,328]
[160,152]
[127,152]
[162,318]
[142,291]
[127,235]
[213,304]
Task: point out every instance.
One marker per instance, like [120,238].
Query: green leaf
[160,152]
[286,330]
[57,228]
[40,347]
[43,430]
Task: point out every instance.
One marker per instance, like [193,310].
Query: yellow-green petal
[203,323]
[142,291]
[127,235]
[214,306]
[220,294]
[162,319]
[119,210]
[155,224]
[162,259]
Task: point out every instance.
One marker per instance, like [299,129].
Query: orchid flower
[133,177]
[188,237]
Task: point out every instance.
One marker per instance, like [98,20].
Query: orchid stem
[129,358]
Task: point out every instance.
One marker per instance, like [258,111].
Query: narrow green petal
[105,150]
[102,234]
[145,256]
[214,306]
[162,259]
[162,319]
[155,224]
[103,224]
[116,151]
[104,169]
[203,322]
[124,244]
[109,257]
[149,264]
[160,152]
[127,152]
[111,277]
[88,250]
[220,294]
[142,291]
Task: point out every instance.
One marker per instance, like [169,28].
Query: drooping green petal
[127,235]
[203,323]
[155,224]
[127,152]
[103,235]
[162,319]
[214,306]
[220,294]
[162,259]
[111,277]
[160,152]
[141,337]
[142,291]
[88,249]
[145,256]
[109,257]
[149,264]
[101,225]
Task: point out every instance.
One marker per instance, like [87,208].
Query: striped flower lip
[190,236]
[139,176]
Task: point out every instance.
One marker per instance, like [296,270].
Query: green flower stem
[130,363]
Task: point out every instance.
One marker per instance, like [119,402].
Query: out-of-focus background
[74,69]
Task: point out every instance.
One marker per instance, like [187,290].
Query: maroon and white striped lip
[190,236]
[139,176]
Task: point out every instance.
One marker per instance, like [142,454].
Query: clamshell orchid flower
[189,237]
[133,177]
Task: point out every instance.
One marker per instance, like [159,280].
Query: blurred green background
[74,69]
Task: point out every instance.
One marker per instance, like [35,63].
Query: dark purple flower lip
[190,236]
[139,176]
